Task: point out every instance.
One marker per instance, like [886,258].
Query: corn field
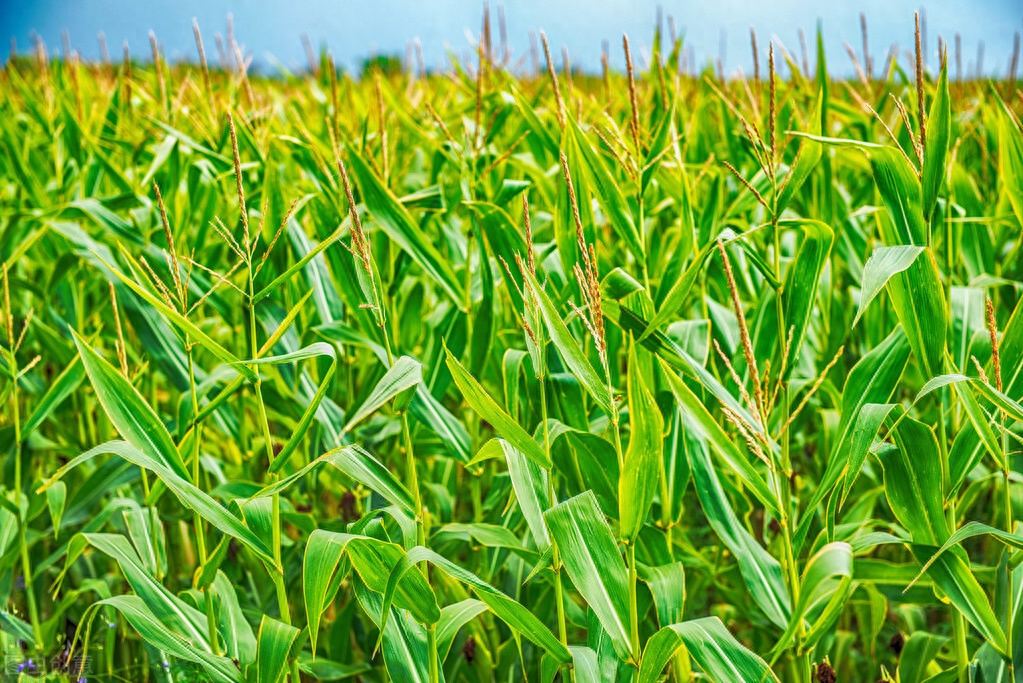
[482,375]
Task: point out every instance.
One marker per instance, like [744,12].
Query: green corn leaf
[237,632]
[403,375]
[663,142]
[327,670]
[359,464]
[181,321]
[188,494]
[321,577]
[146,533]
[17,627]
[913,485]
[438,419]
[401,228]
[609,196]
[404,641]
[952,574]
[917,654]
[375,561]
[981,423]
[488,536]
[675,356]
[618,284]
[898,185]
[343,334]
[801,281]
[641,472]
[530,483]
[667,584]
[405,649]
[452,618]
[532,122]
[676,466]
[153,631]
[106,219]
[302,427]
[309,254]
[592,560]
[1010,407]
[313,350]
[676,296]
[1010,347]
[275,640]
[484,323]
[505,608]
[939,133]
[761,572]
[900,190]
[710,644]
[972,530]
[823,590]
[176,616]
[1010,159]
[966,453]
[700,419]
[920,302]
[134,419]
[207,573]
[26,178]
[489,410]
[324,293]
[56,497]
[597,461]
[807,158]
[584,664]
[686,241]
[872,381]
[62,386]
[569,348]
[883,264]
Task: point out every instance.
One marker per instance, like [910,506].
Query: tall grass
[480,376]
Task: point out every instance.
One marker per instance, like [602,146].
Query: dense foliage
[481,376]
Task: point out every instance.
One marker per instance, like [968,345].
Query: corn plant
[483,375]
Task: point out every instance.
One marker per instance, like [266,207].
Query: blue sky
[354,30]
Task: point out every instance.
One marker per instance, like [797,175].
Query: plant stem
[552,496]
[275,514]
[26,564]
[410,456]
[614,419]
[200,536]
[630,546]
[958,625]
[1010,594]
[1010,606]
[413,478]
[431,647]
[792,570]
[784,481]
[962,658]
[633,606]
